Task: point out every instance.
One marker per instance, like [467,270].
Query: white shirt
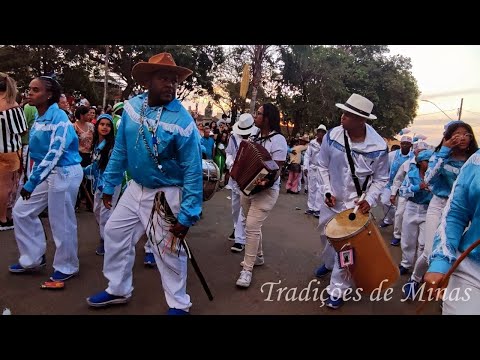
[370,158]
[278,148]
[311,155]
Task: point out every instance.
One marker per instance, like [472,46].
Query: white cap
[322,127]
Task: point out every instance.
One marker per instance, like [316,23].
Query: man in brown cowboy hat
[159,146]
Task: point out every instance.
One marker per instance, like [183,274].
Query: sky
[445,74]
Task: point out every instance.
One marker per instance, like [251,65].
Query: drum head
[341,227]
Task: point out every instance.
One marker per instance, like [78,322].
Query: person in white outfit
[312,172]
[241,130]
[396,159]
[369,154]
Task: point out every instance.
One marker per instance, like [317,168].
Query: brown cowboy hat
[143,71]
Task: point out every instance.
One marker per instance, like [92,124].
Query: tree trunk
[258,57]
[105,85]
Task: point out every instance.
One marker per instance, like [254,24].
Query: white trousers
[313,189]
[102,214]
[462,296]
[413,232]
[432,220]
[237,213]
[340,281]
[59,192]
[397,228]
[388,208]
[126,225]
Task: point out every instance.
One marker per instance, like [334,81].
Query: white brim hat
[245,125]
[358,105]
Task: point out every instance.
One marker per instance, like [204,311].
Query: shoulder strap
[352,168]
[234,142]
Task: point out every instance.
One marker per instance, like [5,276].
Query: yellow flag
[245,81]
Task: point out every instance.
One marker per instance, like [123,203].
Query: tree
[314,78]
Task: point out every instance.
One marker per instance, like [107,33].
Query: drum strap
[362,189]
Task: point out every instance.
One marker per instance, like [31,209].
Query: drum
[211,178]
[362,250]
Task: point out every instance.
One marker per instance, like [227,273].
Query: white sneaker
[259,261]
[245,278]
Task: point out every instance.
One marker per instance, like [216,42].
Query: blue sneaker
[383,224]
[149,259]
[103,298]
[322,271]
[18,269]
[173,311]
[410,289]
[403,270]
[395,242]
[59,276]
[334,303]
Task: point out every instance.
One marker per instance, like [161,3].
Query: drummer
[158,143]
[370,158]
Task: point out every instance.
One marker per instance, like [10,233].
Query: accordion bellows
[252,162]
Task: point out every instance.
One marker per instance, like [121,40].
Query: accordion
[252,162]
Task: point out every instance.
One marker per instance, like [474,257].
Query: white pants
[432,220]
[462,296]
[397,228]
[340,281]
[127,224]
[59,192]
[388,208]
[102,214]
[413,229]
[313,189]
[237,213]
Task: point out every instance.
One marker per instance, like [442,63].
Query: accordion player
[253,162]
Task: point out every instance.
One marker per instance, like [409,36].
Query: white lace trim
[172,128]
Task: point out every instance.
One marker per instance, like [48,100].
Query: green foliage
[314,78]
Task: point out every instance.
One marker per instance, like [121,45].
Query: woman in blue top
[54,181]
[459,228]
[457,145]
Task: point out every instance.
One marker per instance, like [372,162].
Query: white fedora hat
[322,127]
[358,105]
[245,125]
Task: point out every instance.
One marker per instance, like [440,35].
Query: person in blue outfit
[54,181]
[103,142]
[159,145]
[457,145]
[459,228]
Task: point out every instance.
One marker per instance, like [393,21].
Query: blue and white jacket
[53,143]
[179,154]
[92,171]
[410,188]
[460,225]
[398,161]
[442,172]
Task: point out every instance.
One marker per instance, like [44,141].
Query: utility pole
[460,110]
[105,85]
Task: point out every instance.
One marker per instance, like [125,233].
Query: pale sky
[445,74]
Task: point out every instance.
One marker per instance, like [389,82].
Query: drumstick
[353,215]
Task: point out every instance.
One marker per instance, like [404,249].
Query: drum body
[211,178]
[373,265]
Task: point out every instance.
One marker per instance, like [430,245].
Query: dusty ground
[292,252]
